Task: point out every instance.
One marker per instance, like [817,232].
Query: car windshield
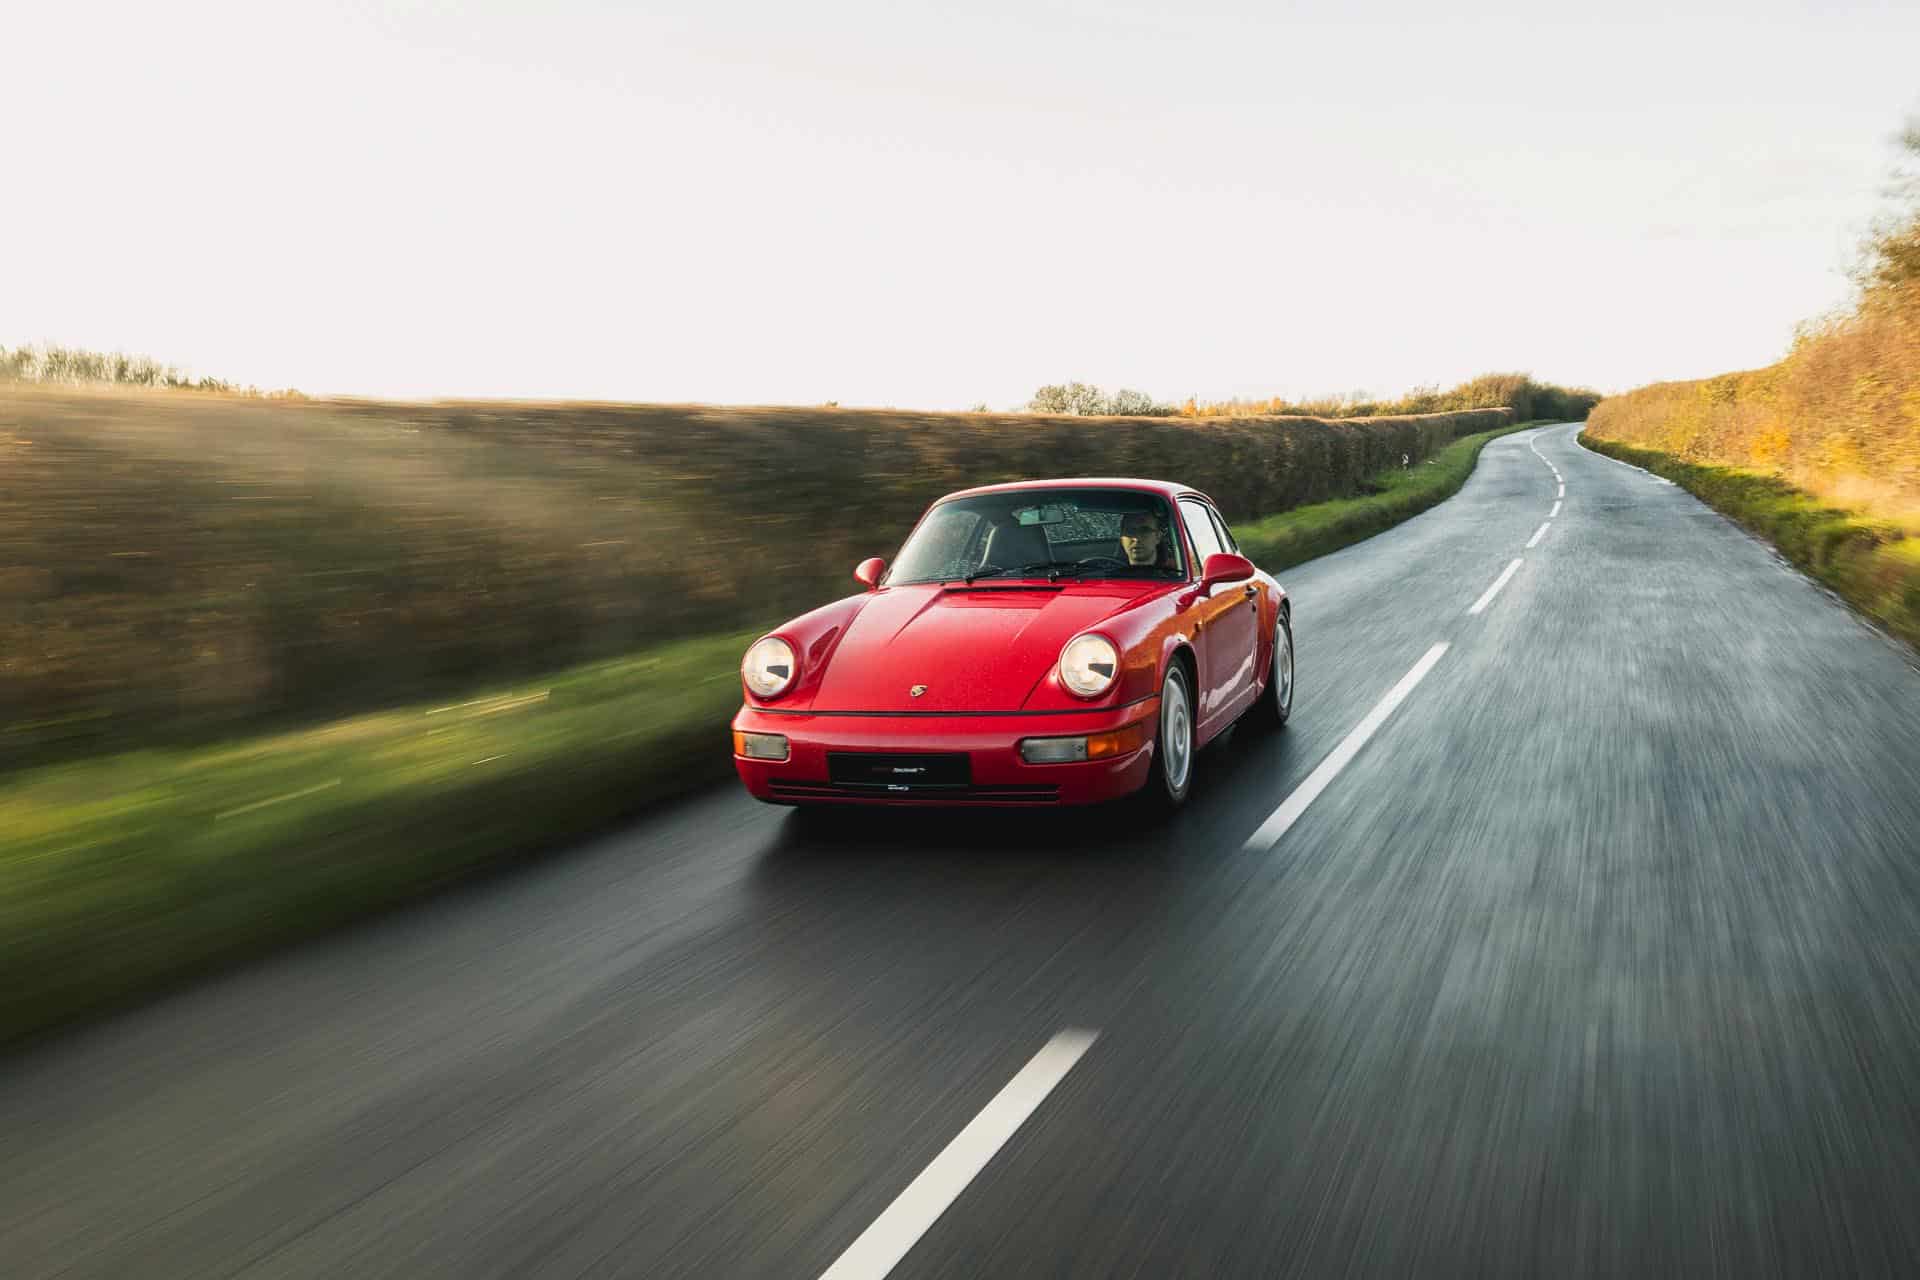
[1043,533]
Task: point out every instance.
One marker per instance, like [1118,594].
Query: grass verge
[1870,564]
[1293,537]
[122,874]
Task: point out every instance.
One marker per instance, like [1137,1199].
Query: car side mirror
[867,572]
[1223,567]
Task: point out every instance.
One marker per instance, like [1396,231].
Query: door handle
[1253,592]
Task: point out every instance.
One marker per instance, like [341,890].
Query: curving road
[1599,955]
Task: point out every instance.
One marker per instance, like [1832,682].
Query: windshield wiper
[1053,570]
[1048,567]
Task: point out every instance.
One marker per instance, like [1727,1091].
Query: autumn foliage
[1838,417]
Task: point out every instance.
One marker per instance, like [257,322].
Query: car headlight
[768,667]
[1088,665]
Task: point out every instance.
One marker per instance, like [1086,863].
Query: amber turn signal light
[1121,742]
[1099,746]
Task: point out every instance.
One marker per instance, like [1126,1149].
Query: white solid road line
[882,1245]
[1594,453]
[1494,590]
[1556,511]
[1563,490]
[1303,795]
[1538,534]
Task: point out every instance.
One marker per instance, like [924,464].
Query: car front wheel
[1173,749]
[1276,703]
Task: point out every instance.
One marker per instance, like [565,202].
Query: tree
[1084,398]
[1892,256]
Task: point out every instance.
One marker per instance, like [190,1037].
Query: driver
[1143,536]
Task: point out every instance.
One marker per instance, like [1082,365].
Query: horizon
[910,209]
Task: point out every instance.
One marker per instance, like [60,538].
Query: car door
[1253,592]
[1227,630]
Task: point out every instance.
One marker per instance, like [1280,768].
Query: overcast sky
[931,205]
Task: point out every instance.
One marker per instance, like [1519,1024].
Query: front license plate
[898,772]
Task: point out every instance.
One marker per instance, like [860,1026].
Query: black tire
[1171,780]
[1276,700]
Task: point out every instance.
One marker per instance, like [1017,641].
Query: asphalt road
[1600,956]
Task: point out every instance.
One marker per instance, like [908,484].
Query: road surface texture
[1600,954]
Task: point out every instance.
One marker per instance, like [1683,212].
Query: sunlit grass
[120,873]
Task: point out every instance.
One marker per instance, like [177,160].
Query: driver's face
[1140,539]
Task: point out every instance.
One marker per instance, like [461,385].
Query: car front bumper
[994,772]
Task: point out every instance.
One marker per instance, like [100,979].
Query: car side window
[1226,534]
[1200,528]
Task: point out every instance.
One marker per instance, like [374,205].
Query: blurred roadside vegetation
[124,872]
[177,568]
[1820,452]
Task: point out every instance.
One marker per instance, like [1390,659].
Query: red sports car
[1043,643]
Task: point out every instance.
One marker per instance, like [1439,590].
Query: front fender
[814,636]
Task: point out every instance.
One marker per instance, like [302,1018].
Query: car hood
[977,649]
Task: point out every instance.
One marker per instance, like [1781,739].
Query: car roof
[1167,489]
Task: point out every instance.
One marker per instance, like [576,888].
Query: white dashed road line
[1494,590]
[1558,478]
[1303,795]
[1327,770]
[882,1245]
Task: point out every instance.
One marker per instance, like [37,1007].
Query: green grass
[1871,564]
[124,873]
[1397,494]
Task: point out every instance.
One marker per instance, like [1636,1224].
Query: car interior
[1009,544]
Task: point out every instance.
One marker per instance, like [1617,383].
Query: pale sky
[932,205]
